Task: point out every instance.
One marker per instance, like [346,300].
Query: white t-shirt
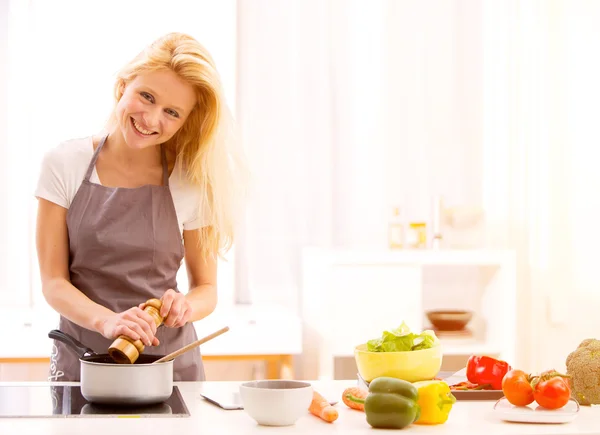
[63,170]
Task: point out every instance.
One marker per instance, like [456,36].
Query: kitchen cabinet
[263,341]
[24,369]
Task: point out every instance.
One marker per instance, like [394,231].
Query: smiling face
[154,106]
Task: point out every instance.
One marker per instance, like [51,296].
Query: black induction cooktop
[45,401]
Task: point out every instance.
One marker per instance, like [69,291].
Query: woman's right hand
[134,323]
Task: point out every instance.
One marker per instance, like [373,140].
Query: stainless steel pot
[104,381]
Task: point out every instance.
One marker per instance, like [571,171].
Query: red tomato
[552,393]
[516,386]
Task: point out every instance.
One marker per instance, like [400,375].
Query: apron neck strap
[163,157]
[165,165]
[90,168]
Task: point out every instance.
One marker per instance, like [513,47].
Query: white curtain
[61,61]
[540,171]
[310,117]
[349,108]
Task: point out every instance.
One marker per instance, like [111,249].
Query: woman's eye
[172,113]
[147,96]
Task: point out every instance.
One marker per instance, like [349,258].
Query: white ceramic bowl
[276,402]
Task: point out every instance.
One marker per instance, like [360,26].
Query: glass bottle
[396,230]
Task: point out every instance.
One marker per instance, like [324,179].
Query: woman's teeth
[139,128]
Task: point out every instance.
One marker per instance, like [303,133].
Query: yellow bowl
[411,366]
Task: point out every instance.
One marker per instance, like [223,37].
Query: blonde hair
[205,146]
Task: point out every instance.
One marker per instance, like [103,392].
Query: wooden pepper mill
[124,350]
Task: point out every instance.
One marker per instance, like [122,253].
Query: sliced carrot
[322,409]
[354,397]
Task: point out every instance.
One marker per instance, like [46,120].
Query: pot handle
[79,348]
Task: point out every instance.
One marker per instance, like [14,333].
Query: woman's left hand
[176,310]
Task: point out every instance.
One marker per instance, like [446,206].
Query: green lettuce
[402,339]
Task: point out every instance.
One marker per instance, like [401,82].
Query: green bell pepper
[391,403]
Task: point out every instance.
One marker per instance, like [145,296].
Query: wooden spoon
[190,346]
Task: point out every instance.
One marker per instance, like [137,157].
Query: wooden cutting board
[460,376]
[455,378]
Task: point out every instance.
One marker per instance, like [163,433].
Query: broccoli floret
[583,365]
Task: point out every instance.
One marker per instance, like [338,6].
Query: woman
[118,212]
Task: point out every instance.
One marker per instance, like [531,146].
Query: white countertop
[205,418]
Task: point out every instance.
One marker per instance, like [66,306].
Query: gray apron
[125,247]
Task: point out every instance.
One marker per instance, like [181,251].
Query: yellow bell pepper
[436,401]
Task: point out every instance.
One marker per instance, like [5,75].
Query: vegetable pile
[402,339]
[392,403]
[550,389]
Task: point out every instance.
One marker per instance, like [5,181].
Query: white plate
[534,413]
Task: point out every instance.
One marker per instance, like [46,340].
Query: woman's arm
[201,299]
[52,242]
